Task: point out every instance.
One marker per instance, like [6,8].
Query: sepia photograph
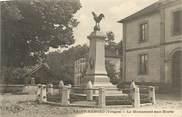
[90,58]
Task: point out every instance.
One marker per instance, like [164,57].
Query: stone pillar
[132,90]
[61,85]
[69,85]
[39,90]
[32,81]
[96,71]
[69,90]
[102,98]
[50,89]
[43,94]
[65,96]
[152,94]
[89,91]
[136,97]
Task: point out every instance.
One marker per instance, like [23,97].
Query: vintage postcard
[91,58]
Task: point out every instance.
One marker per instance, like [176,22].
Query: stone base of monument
[108,93]
[99,81]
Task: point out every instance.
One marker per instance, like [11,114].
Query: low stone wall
[30,89]
[65,95]
[11,88]
[18,89]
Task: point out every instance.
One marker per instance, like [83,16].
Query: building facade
[80,67]
[152,44]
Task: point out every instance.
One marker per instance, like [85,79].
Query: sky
[114,10]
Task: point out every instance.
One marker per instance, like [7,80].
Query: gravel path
[25,106]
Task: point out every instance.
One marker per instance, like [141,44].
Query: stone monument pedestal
[96,72]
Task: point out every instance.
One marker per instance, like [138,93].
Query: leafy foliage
[111,72]
[110,44]
[110,38]
[30,27]
[12,75]
[62,64]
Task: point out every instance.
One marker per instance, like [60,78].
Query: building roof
[148,10]
[153,8]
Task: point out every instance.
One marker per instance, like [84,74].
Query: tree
[111,72]
[110,44]
[62,64]
[110,38]
[30,27]
[12,75]
[120,47]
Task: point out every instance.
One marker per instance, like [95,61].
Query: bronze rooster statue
[97,20]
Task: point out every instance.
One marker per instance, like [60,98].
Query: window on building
[143,64]
[143,32]
[177,22]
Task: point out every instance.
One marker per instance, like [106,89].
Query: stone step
[104,85]
[107,94]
